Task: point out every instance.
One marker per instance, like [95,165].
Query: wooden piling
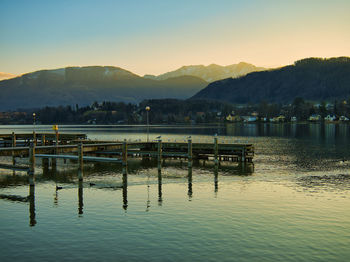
[43,140]
[45,164]
[34,138]
[13,145]
[216,150]
[57,136]
[54,160]
[159,156]
[243,155]
[31,164]
[189,157]
[125,157]
[80,162]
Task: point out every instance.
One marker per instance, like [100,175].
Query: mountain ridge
[210,73]
[84,85]
[310,78]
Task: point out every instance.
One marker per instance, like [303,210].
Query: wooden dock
[76,147]
[10,140]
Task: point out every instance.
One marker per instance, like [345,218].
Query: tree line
[172,111]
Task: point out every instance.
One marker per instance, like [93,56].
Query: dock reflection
[71,177]
[190,192]
[80,198]
[31,197]
[160,195]
[125,192]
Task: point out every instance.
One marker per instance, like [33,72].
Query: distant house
[293,119]
[249,118]
[343,118]
[329,107]
[315,117]
[330,118]
[232,118]
[280,118]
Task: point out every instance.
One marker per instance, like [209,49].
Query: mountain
[4,76]
[84,85]
[211,72]
[313,79]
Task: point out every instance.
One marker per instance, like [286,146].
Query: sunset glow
[153,37]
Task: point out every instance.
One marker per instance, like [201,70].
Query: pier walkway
[76,147]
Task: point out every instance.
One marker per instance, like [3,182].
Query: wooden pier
[76,147]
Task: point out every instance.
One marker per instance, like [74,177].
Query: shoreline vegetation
[174,111]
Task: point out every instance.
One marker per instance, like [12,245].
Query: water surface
[293,204]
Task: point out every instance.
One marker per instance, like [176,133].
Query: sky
[157,36]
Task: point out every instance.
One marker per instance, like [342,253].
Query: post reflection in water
[125,192]
[190,192]
[32,221]
[216,187]
[160,199]
[55,199]
[80,198]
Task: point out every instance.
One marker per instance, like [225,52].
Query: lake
[292,204]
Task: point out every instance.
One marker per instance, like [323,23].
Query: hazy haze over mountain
[211,72]
[4,76]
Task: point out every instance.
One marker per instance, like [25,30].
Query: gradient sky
[156,36]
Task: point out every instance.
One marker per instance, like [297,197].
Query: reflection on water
[69,179]
[160,195]
[292,204]
[80,197]
[125,192]
[32,221]
[321,183]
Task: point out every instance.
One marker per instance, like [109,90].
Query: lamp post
[147,110]
[34,122]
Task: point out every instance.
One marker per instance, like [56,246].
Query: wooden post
[57,138]
[54,160]
[125,157]
[189,157]
[45,165]
[34,138]
[159,156]
[53,163]
[80,162]
[13,145]
[243,154]
[31,164]
[216,150]
[43,140]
